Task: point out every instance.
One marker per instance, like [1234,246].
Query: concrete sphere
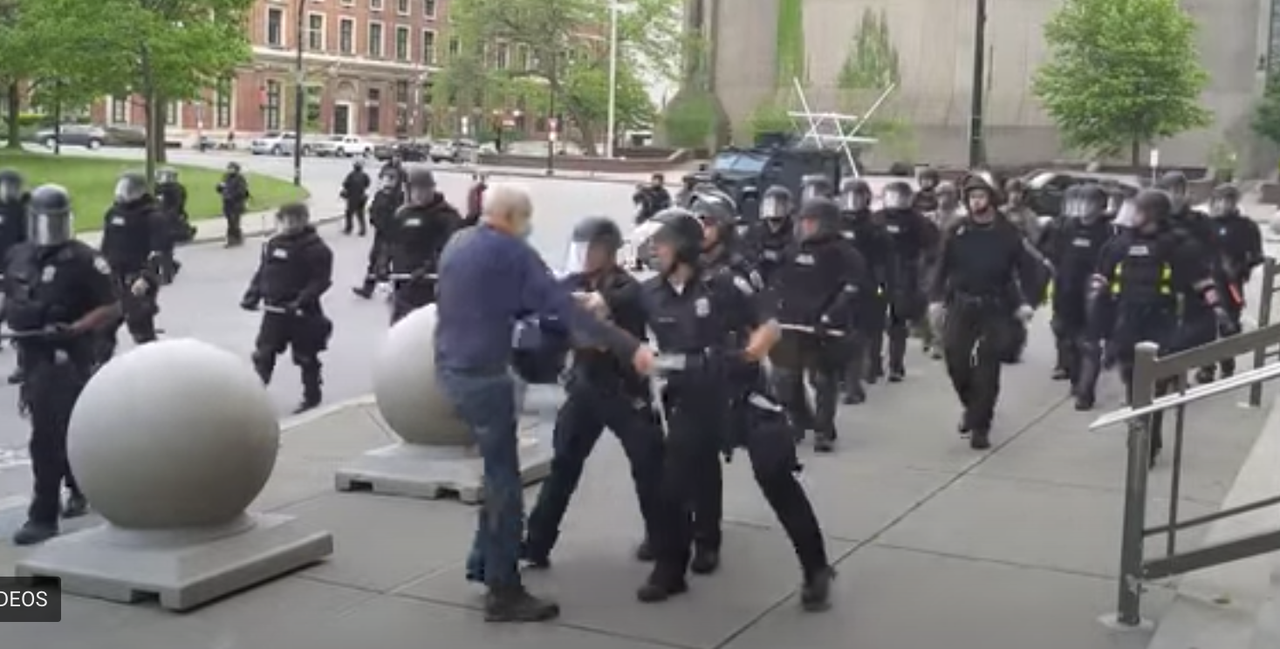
[405,387]
[173,434]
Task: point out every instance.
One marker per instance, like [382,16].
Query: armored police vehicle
[776,159]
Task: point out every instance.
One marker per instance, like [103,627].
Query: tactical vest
[1144,277]
[284,272]
[37,291]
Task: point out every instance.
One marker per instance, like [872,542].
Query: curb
[295,421]
[512,173]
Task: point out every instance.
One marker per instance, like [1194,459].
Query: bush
[690,119]
[768,117]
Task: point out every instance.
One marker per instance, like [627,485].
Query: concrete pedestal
[421,471]
[182,568]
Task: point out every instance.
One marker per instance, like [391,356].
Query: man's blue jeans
[486,402]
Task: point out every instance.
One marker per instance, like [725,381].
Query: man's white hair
[504,198]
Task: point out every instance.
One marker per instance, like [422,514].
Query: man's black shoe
[980,440]
[76,506]
[365,292]
[660,590]
[17,377]
[32,533]
[815,595]
[515,604]
[705,561]
[644,552]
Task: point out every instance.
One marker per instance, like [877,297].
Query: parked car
[341,146]
[409,150]
[273,143]
[455,151]
[1045,187]
[85,135]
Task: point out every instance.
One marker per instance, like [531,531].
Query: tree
[1266,116]
[1121,73]
[567,63]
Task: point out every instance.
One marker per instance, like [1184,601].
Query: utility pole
[299,93]
[611,132]
[976,153]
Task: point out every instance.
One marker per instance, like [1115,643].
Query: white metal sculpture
[835,130]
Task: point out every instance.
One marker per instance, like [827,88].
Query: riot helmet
[1225,201]
[357,165]
[676,240]
[594,246]
[948,197]
[855,195]
[775,205]
[1015,193]
[1151,208]
[293,218]
[814,185]
[1175,184]
[49,218]
[928,179]
[897,196]
[1093,202]
[166,176]
[979,194]
[131,187]
[817,217]
[10,186]
[233,168]
[420,187]
[388,180]
[718,219]
[1072,203]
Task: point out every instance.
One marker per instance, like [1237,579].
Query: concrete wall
[934,40]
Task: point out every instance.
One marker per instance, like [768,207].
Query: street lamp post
[976,153]
[299,92]
[613,79]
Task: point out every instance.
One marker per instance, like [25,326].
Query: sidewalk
[937,546]
[253,224]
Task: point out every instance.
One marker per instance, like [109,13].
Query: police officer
[475,198]
[234,190]
[913,237]
[684,197]
[1016,210]
[13,228]
[386,200]
[815,186]
[296,269]
[58,292]
[601,392]
[926,198]
[415,238]
[1146,275]
[948,208]
[394,168]
[865,229]
[1240,246]
[1198,321]
[178,229]
[769,238]
[651,198]
[355,191]
[717,332]
[979,281]
[817,291]
[133,237]
[1074,246]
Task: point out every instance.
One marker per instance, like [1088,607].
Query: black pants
[235,236]
[823,359]
[586,412]
[905,308]
[139,315]
[354,211]
[410,296]
[304,335]
[692,445]
[50,394]
[376,270]
[975,333]
[866,345]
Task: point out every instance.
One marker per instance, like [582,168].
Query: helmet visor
[896,199]
[1221,207]
[854,201]
[129,190]
[290,223]
[386,183]
[10,190]
[575,258]
[812,191]
[1127,215]
[420,194]
[642,245]
[50,229]
[773,207]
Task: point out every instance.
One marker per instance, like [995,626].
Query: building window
[428,47]
[315,32]
[402,43]
[347,36]
[373,114]
[429,8]
[348,3]
[375,40]
[375,5]
[503,56]
[402,92]
[402,121]
[454,47]
[402,7]
[172,112]
[522,57]
[272,108]
[428,93]
[275,27]
[222,104]
[119,110]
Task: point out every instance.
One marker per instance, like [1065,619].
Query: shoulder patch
[100,264]
[743,284]
[757,282]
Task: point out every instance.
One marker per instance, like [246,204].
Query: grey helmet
[50,221]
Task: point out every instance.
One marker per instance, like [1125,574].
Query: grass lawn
[92,183]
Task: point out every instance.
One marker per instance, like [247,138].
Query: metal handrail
[1158,384]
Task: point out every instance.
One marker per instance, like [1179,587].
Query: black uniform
[872,241]
[415,238]
[926,198]
[601,392]
[817,289]
[769,238]
[1198,320]
[13,230]
[133,235]
[382,212]
[295,271]
[979,280]
[355,192]
[172,196]
[49,287]
[704,323]
[1074,246]
[913,237]
[234,190]
[649,200]
[1240,246]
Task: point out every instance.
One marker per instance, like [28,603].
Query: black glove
[1227,326]
[60,331]
[249,303]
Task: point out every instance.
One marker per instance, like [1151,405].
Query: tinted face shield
[1074,208]
[50,229]
[895,199]
[1222,206]
[420,195]
[813,190]
[129,190]
[927,183]
[774,208]
[290,223]
[166,177]
[1127,215]
[10,190]
[854,201]
[577,259]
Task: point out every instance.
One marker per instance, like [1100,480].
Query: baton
[267,308]
[834,333]
[404,277]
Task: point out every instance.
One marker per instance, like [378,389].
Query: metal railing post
[1142,390]
[1264,319]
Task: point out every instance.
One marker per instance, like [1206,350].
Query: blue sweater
[487,281]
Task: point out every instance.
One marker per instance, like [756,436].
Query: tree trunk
[587,136]
[1135,153]
[13,109]
[159,122]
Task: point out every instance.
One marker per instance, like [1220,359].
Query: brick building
[365,66]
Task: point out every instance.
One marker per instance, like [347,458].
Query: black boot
[17,377]
[980,439]
[534,558]
[660,587]
[365,291]
[515,604]
[824,442]
[33,533]
[897,354]
[854,395]
[1228,368]
[815,595]
[311,394]
[705,561]
[644,552]
[1206,375]
[76,506]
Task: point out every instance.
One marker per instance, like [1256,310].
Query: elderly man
[490,277]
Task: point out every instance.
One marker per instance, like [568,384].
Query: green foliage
[1121,73]
[1266,116]
[791,62]
[896,135]
[690,119]
[768,117]
[586,97]
[872,62]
